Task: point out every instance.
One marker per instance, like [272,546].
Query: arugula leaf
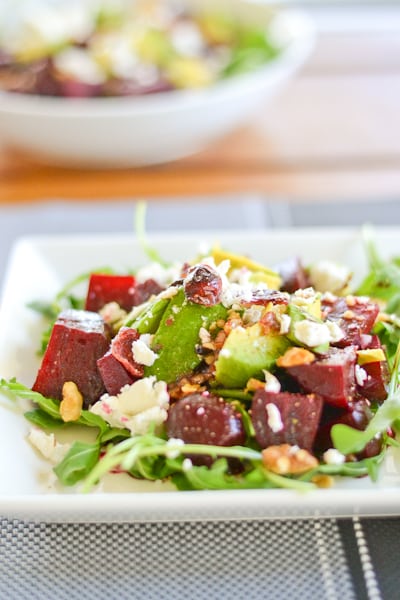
[360,468]
[383,280]
[42,419]
[140,229]
[114,434]
[48,405]
[152,457]
[92,420]
[78,462]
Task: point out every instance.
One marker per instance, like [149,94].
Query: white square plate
[38,268]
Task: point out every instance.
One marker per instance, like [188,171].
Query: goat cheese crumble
[142,353]
[274,417]
[47,445]
[136,407]
[327,276]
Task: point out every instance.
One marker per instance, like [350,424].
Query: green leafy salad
[218,372]
[128,48]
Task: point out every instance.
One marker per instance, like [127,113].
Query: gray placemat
[303,559]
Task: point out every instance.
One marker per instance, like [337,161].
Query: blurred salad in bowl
[128,48]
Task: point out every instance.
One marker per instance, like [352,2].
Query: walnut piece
[294,357]
[71,403]
[288,460]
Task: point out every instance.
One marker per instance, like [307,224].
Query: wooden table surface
[333,133]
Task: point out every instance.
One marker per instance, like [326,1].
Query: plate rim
[77,507]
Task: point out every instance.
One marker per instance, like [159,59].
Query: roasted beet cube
[285,418]
[358,415]
[354,315]
[77,341]
[121,349]
[110,288]
[332,377]
[374,385]
[113,374]
[205,419]
[143,291]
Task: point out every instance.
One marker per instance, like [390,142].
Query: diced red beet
[205,419]
[77,341]
[113,374]
[355,316]
[297,414]
[121,349]
[143,291]
[375,385]
[332,377]
[293,274]
[357,416]
[104,288]
[370,342]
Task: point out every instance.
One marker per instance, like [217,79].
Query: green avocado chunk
[246,352]
[177,336]
[149,320]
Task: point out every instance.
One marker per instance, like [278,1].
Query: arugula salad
[218,372]
[126,49]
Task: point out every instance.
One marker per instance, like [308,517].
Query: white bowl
[157,128]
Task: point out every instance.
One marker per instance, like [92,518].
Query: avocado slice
[370,355]
[246,352]
[177,336]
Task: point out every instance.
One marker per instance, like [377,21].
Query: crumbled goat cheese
[77,64]
[305,297]
[222,268]
[312,334]
[142,353]
[252,315]
[329,297]
[327,276]
[333,457]
[174,447]
[187,39]
[136,407]
[40,26]
[361,375]
[187,464]
[169,292]
[234,293]
[115,50]
[163,275]
[112,312]
[335,332]
[272,383]
[240,276]
[204,335]
[274,417]
[284,322]
[47,445]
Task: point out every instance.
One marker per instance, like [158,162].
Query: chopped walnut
[323,481]
[71,403]
[254,384]
[288,460]
[190,388]
[294,357]
[349,314]
[188,385]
